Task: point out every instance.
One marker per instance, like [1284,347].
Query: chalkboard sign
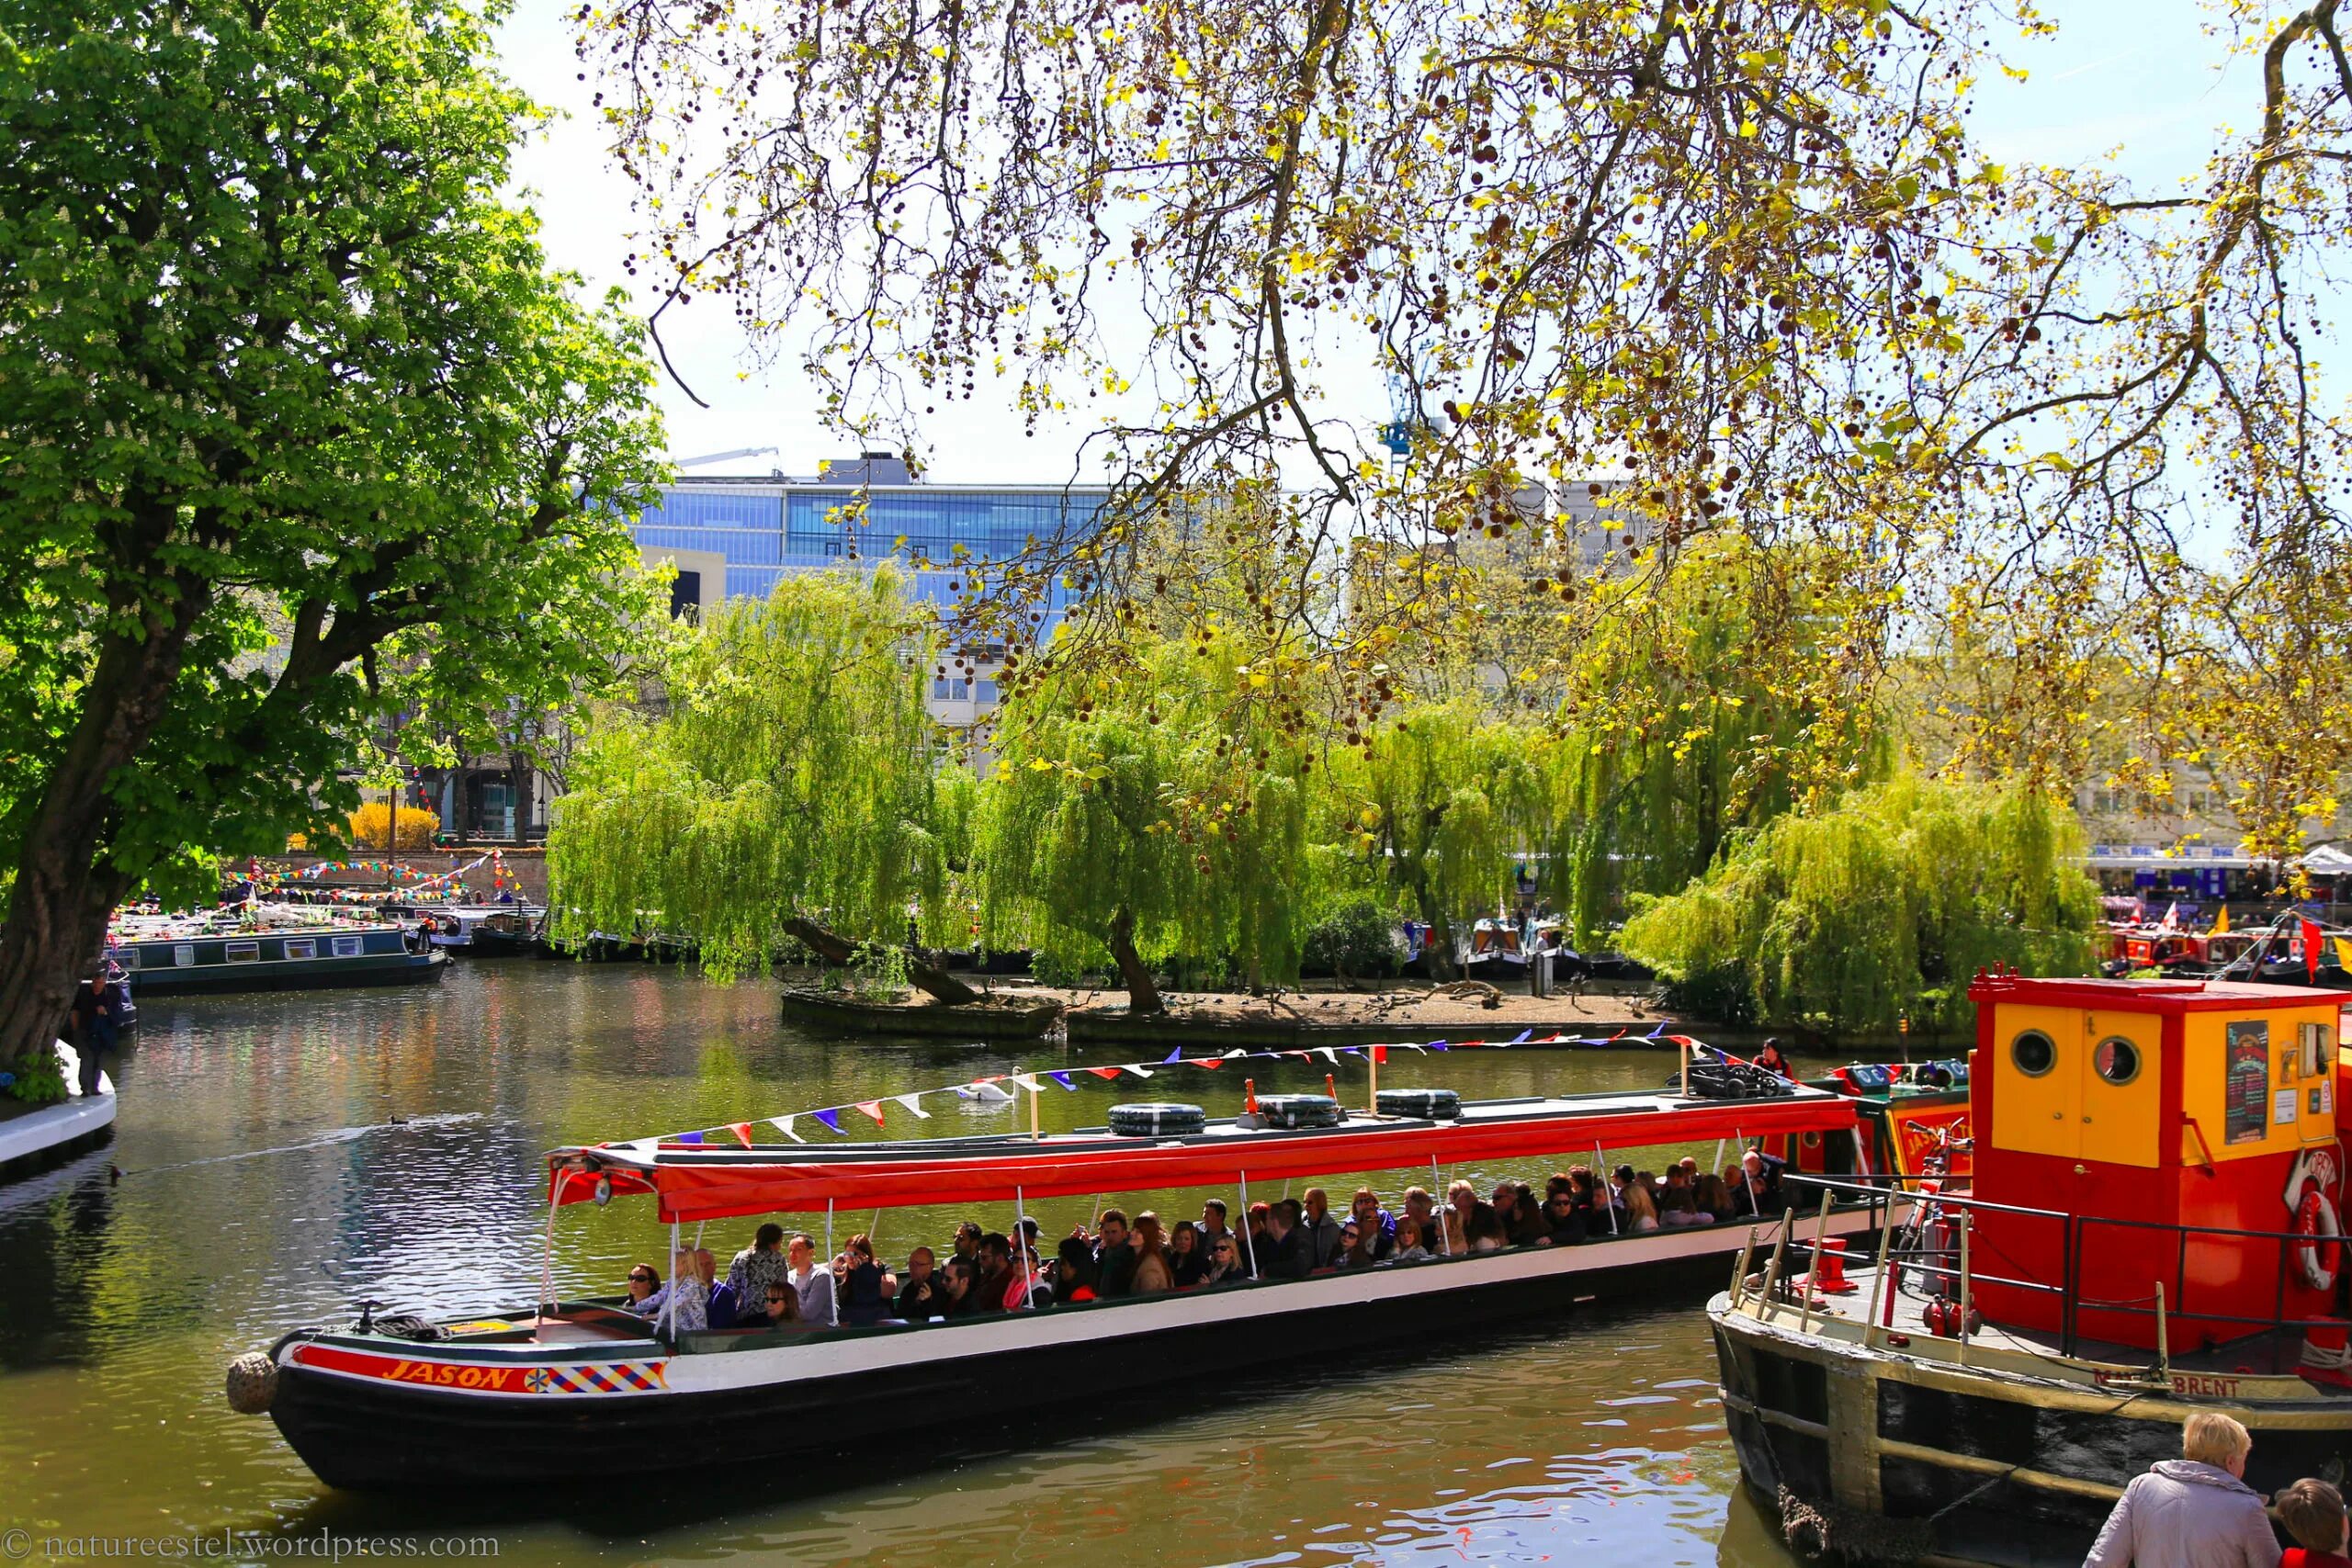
[2247,1101]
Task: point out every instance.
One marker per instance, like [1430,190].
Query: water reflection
[285,1156]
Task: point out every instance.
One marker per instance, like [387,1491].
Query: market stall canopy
[695,1182]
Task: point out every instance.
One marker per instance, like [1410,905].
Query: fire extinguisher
[1941,1317]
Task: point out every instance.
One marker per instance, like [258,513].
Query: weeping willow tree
[782,788]
[1878,909]
[1151,808]
[1437,803]
[1714,694]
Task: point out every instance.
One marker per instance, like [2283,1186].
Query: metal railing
[1913,1244]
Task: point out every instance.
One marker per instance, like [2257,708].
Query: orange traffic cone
[1250,1096]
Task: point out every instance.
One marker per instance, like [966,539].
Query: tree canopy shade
[782,787]
[1880,909]
[296,429]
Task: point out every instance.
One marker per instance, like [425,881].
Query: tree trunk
[926,974]
[65,886]
[1143,992]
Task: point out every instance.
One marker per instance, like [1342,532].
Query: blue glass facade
[766,530]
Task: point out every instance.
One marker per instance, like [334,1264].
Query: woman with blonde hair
[2192,1512]
[1641,1209]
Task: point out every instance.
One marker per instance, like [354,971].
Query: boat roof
[702,1181]
[2160,997]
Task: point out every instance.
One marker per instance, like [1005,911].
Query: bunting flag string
[988,1088]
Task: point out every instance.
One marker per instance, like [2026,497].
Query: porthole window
[2033,1053]
[2116,1060]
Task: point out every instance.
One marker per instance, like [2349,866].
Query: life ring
[2315,1219]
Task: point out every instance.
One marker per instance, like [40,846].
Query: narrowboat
[581,1391]
[2148,1228]
[170,957]
[483,930]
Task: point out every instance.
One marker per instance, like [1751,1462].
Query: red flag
[1206,1062]
[1104,1072]
[872,1107]
[1379,1053]
[2310,948]
[743,1131]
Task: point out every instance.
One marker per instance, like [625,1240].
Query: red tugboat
[2150,1232]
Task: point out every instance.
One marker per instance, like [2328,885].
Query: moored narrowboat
[160,957]
[2149,1229]
[567,1391]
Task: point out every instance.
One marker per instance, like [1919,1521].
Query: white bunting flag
[1236,1052]
[1139,1072]
[784,1124]
[1025,1081]
[1328,1055]
[909,1101]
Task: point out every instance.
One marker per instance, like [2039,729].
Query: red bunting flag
[743,1131]
[2310,948]
[872,1107]
[1379,1054]
[1205,1062]
[1104,1072]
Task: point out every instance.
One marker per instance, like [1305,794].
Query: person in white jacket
[2192,1512]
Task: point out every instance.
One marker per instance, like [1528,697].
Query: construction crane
[719,456]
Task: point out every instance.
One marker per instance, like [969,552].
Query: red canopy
[695,1183]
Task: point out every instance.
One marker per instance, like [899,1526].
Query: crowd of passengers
[778,1281]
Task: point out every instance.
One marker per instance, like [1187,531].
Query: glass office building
[765,527]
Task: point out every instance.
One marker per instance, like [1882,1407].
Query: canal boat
[2149,1230]
[273,950]
[481,931]
[576,1390]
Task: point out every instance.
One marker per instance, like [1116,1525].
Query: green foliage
[1436,806]
[38,1080]
[1879,909]
[1355,940]
[1711,699]
[787,772]
[286,390]
[1170,788]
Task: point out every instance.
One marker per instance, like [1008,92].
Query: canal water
[282,1157]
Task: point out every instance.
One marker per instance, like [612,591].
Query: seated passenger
[783,1306]
[646,1296]
[863,1303]
[1679,1205]
[1374,1221]
[1152,1276]
[923,1295]
[1255,1247]
[1471,1222]
[690,1289]
[1711,1196]
[959,1274]
[1408,1241]
[1074,1272]
[1322,1228]
[1422,1207]
[1522,1222]
[995,1276]
[1226,1264]
[1641,1209]
[758,1266]
[1758,1192]
[1115,1256]
[1363,1244]
[815,1284]
[1213,1225]
[1187,1259]
[1288,1255]
[1564,1223]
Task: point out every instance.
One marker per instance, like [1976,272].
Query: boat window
[2116,1060]
[184,954]
[126,956]
[301,947]
[2035,1053]
[2317,1042]
[347,946]
[244,952]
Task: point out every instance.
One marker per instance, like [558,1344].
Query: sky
[2135,80]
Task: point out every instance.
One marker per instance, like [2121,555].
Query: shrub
[417,827]
[1355,940]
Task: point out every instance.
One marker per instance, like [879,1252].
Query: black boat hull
[414,969]
[2006,1471]
[853,1388]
